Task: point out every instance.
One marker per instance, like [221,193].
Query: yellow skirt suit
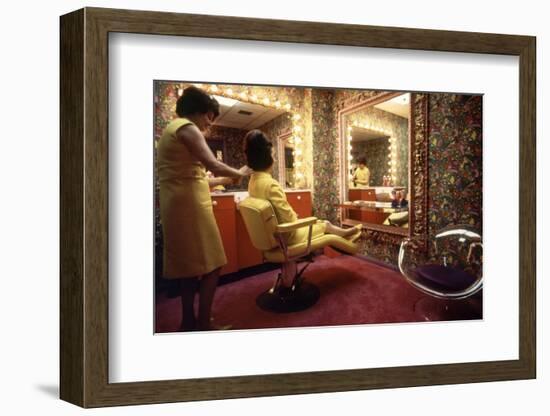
[263,186]
[192,242]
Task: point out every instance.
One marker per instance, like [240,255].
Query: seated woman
[258,148]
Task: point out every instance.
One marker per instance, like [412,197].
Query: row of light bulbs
[297,129]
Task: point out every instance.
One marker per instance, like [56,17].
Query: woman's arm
[219,181]
[195,142]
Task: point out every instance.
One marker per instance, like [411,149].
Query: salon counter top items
[240,195]
[380,188]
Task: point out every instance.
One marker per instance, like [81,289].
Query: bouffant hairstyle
[196,101]
[257,148]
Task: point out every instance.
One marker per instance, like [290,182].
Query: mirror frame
[418,165]
[281,164]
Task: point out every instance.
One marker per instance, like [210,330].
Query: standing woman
[193,249]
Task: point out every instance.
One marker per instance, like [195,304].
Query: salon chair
[448,269]
[290,292]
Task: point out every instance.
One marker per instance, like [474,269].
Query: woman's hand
[245,171]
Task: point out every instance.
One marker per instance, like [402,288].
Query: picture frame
[84,218]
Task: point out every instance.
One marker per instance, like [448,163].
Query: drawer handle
[214,203]
[299,197]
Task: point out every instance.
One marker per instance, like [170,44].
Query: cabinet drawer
[223,202]
[362,195]
[300,202]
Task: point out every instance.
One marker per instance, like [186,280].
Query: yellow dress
[263,186]
[362,176]
[192,242]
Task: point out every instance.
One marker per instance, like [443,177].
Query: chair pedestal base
[433,309]
[289,299]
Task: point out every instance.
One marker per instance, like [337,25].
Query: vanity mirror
[286,153]
[236,119]
[375,143]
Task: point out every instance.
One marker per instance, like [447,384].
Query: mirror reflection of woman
[193,249]
[361,176]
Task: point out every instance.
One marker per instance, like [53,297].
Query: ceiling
[361,134]
[398,105]
[245,116]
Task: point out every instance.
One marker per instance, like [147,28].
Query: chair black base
[289,299]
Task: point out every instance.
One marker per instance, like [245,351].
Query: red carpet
[353,291]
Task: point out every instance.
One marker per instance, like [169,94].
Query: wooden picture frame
[84,207]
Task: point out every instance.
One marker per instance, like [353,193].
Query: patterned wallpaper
[325,154]
[234,156]
[455,161]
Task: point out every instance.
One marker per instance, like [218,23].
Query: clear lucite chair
[448,269]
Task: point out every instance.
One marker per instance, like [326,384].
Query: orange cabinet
[225,213]
[363,195]
[300,201]
[238,247]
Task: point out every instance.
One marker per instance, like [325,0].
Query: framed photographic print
[255,207]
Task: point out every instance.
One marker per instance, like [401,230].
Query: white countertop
[240,195]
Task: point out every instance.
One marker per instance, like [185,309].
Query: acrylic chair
[290,292]
[448,269]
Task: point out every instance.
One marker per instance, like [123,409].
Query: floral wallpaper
[455,161]
[233,144]
[325,154]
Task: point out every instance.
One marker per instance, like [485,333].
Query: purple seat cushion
[444,277]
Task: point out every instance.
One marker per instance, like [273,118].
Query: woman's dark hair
[362,161]
[196,101]
[257,148]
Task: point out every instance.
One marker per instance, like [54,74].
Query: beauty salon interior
[386,187]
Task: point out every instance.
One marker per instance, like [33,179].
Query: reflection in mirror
[286,152]
[376,183]
[236,118]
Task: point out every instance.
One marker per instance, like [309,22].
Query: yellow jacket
[263,186]
[362,176]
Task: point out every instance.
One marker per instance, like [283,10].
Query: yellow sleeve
[283,210]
